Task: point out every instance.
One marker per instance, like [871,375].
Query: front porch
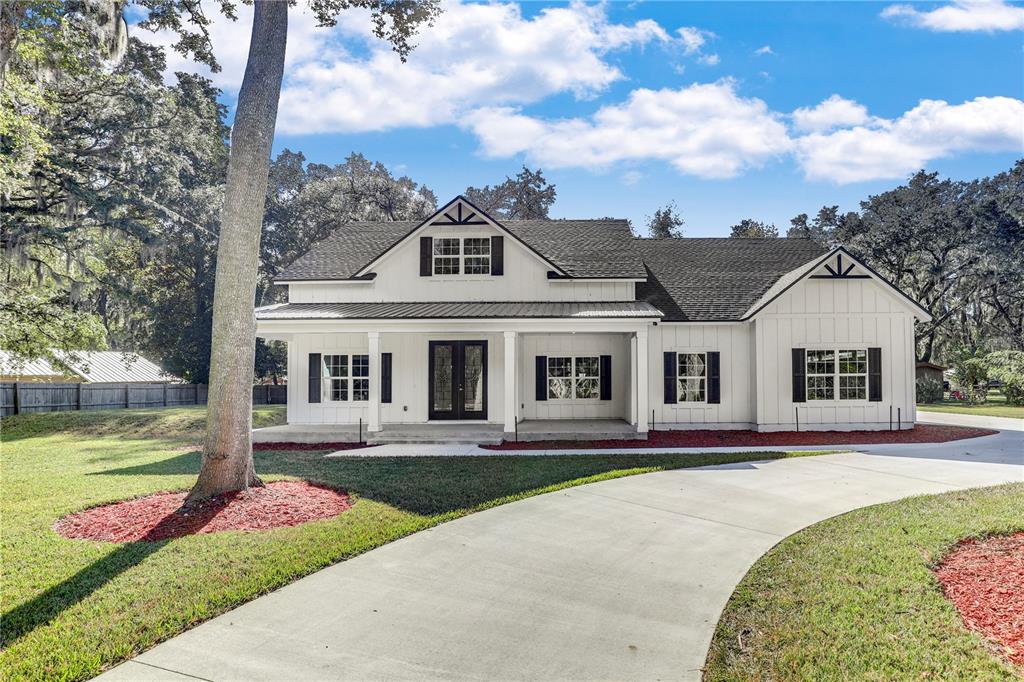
[477,434]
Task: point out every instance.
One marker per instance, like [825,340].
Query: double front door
[458,380]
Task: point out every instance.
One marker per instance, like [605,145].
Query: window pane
[559,389]
[336,365]
[559,367]
[339,389]
[446,266]
[473,378]
[691,390]
[360,365]
[853,362]
[853,387]
[476,246]
[446,247]
[478,266]
[588,367]
[691,365]
[821,388]
[360,389]
[821,362]
[587,389]
[443,370]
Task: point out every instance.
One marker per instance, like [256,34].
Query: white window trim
[462,256]
[835,400]
[572,376]
[692,403]
[328,380]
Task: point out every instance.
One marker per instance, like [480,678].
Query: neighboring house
[467,318]
[85,366]
[929,371]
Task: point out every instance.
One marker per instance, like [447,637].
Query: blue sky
[626,106]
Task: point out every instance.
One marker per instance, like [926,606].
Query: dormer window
[466,255]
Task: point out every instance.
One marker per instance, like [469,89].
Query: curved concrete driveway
[617,580]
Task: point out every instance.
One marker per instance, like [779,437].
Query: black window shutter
[875,375]
[606,377]
[542,377]
[426,256]
[314,377]
[670,378]
[385,377]
[799,375]
[715,377]
[497,255]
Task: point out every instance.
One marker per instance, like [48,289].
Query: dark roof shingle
[580,248]
[716,278]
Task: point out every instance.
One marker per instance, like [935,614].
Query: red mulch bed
[985,581]
[158,517]
[309,446]
[922,433]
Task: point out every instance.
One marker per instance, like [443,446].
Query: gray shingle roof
[716,279]
[580,248]
[472,310]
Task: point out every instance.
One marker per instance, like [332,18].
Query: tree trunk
[227,453]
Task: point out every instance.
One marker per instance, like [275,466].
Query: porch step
[384,438]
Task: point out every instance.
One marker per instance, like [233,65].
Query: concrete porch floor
[479,434]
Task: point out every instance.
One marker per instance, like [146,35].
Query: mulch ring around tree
[159,516]
[922,433]
[985,581]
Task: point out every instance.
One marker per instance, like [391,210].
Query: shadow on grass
[437,485]
[43,608]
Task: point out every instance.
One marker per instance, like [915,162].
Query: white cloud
[834,112]
[893,148]
[475,54]
[633,177]
[710,59]
[693,38]
[705,130]
[962,15]
[764,50]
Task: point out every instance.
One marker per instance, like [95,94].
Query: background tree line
[112,184]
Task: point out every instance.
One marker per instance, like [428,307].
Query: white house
[522,324]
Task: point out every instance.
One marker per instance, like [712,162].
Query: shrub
[929,390]
[970,372]
[1008,367]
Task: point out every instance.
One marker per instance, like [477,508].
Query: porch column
[373,419]
[633,381]
[643,416]
[510,382]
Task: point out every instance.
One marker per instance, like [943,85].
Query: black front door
[458,380]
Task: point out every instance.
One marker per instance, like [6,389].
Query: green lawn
[853,597]
[995,407]
[71,608]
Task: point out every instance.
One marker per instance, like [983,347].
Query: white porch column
[633,381]
[373,420]
[510,382]
[643,416]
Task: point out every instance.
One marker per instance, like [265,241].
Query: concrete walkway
[618,580]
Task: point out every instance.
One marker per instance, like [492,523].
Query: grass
[853,597]
[71,608]
[995,407]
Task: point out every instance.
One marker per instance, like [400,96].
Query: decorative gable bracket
[841,271]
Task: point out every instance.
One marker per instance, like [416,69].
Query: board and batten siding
[409,382]
[841,313]
[398,279]
[735,343]
[533,345]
